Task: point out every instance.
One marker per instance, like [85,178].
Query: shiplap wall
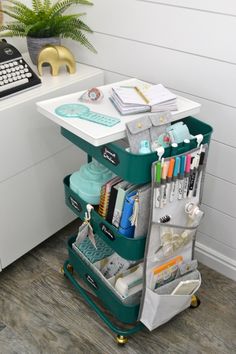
[188,46]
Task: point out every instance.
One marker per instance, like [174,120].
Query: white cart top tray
[97,134]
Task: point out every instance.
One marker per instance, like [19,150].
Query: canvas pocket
[160,306]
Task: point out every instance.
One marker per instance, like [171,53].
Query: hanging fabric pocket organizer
[170,271]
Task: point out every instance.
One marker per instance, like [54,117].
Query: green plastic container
[128,248]
[123,312]
[132,167]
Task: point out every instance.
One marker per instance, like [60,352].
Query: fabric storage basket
[123,312]
[110,282]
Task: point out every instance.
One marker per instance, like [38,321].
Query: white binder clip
[199,138]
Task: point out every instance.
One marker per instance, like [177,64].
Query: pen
[157,184]
[138,91]
[175,176]
[186,175]
[163,183]
[199,175]
[181,177]
[141,94]
[169,179]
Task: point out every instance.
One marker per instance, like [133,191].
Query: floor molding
[216,260]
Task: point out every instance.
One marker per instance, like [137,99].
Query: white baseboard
[216,260]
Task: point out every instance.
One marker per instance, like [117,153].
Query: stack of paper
[139,99]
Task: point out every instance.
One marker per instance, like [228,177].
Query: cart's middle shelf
[128,248]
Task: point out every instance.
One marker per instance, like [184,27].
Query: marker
[187,174]
[199,175]
[195,173]
[193,170]
[181,177]
[175,176]
[158,184]
[163,183]
[169,179]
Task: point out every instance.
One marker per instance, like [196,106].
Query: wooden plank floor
[41,313]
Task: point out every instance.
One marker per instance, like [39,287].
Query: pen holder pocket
[169,240]
[138,133]
[172,229]
[159,306]
[183,179]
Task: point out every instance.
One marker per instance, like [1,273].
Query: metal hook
[199,138]
[89,208]
[160,152]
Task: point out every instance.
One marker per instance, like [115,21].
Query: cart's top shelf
[97,134]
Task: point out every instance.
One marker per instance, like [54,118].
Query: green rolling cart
[135,169]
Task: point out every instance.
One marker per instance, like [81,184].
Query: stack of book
[143,98]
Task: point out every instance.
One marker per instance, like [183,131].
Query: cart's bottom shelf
[126,313]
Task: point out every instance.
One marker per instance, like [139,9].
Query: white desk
[34,160]
[98,134]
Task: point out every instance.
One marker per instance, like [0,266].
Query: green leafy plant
[45,19]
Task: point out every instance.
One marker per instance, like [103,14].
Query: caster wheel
[121,340]
[62,271]
[70,268]
[195,302]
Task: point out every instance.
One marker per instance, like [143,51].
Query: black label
[91,281]
[107,231]
[75,204]
[110,156]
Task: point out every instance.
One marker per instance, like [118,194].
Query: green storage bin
[132,167]
[123,312]
[128,248]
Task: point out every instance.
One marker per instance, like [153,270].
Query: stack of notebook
[140,98]
[105,196]
[116,204]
